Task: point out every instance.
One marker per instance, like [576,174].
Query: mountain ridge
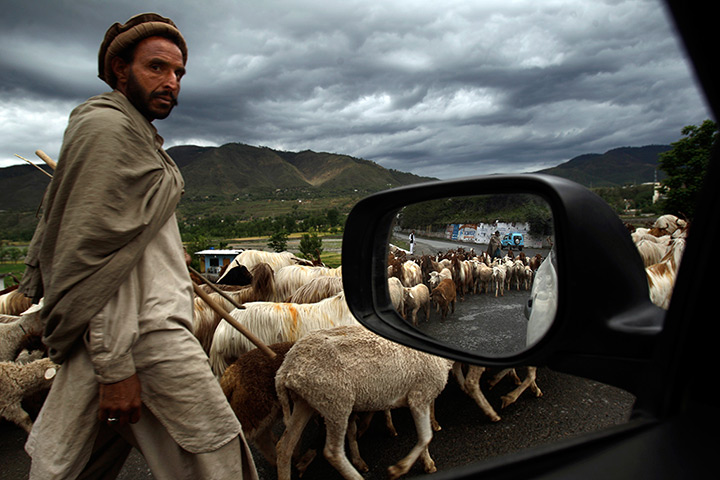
[235,169]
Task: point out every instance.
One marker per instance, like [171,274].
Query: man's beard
[141,99]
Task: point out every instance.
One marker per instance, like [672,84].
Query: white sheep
[652,251]
[13,302]
[289,278]
[436,277]
[317,289]
[249,386]
[276,260]
[661,276]
[275,322]
[499,278]
[483,277]
[411,274]
[397,295]
[336,371]
[18,381]
[416,298]
[206,320]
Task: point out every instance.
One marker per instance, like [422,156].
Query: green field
[16,269]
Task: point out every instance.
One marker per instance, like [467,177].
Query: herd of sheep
[325,363]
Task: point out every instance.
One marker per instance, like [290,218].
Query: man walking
[117,299]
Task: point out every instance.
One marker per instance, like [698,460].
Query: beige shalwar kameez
[187,429]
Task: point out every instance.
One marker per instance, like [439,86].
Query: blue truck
[513,240]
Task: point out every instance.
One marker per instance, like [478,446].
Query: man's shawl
[114,187]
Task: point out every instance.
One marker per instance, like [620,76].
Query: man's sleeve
[112,334]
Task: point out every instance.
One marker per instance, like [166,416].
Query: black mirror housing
[605,316]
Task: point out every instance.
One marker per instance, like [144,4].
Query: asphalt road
[569,406]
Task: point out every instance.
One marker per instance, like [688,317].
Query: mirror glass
[475,272]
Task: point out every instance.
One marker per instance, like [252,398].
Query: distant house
[211,260]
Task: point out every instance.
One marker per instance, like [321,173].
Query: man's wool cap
[121,37]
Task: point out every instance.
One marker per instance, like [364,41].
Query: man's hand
[120,402]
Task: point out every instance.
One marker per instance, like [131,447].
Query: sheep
[397,294]
[661,276]
[12,302]
[317,289]
[206,320]
[18,381]
[483,277]
[336,371]
[667,225]
[651,251]
[470,384]
[289,278]
[428,265]
[460,275]
[436,277]
[249,386]
[528,382]
[276,260]
[499,277]
[235,275]
[11,334]
[517,274]
[411,274]
[444,296]
[416,298]
[275,322]
[529,274]
[535,262]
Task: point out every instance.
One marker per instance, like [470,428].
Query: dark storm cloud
[438,89]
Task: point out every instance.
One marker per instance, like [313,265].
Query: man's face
[152,80]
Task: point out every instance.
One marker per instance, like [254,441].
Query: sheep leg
[265,441]
[433,421]
[529,381]
[352,436]
[18,416]
[363,422]
[334,451]
[458,374]
[501,374]
[301,415]
[389,423]
[421,415]
[472,388]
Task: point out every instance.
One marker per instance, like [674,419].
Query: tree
[278,241]
[686,165]
[311,246]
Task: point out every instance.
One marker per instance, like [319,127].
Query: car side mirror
[593,305]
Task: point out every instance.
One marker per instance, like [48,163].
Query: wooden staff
[31,163]
[228,318]
[198,291]
[46,158]
[217,290]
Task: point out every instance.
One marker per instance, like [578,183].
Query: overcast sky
[444,89]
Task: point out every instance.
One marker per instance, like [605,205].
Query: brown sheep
[444,296]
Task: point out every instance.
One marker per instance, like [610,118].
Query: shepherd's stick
[228,318]
[199,291]
[45,158]
[217,290]
[31,163]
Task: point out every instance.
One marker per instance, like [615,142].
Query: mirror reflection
[475,272]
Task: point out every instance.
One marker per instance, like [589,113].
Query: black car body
[605,329]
